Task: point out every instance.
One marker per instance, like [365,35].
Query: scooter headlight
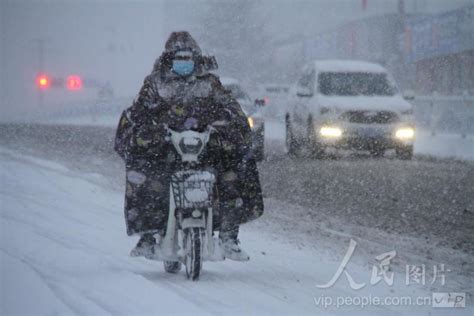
[190,145]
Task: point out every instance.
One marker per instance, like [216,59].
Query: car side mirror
[409,95]
[259,102]
[304,92]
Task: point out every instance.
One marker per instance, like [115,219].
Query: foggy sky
[118,41]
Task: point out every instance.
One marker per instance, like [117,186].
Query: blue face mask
[183,67]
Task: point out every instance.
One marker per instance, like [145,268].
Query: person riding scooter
[181,85]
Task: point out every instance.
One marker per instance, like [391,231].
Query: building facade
[427,53]
[440,50]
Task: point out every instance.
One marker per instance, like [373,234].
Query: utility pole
[40,52]
[3,53]
[402,29]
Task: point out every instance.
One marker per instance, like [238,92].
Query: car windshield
[355,83]
[237,91]
[242,97]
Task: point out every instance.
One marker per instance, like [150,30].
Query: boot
[230,246]
[144,247]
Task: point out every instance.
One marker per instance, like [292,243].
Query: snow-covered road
[63,250]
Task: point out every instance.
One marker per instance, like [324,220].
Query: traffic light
[43,81]
[74,82]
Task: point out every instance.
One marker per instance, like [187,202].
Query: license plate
[371,132]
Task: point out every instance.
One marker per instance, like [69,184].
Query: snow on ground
[445,145]
[110,120]
[63,251]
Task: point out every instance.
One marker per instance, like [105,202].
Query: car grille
[370,117]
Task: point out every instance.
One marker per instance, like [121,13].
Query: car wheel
[404,152]
[318,152]
[315,149]
[292,147]
[259,153]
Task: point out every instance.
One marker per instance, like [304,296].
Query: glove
[149,135]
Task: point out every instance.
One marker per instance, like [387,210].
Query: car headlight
[251,122]
[405,133]
[330,132]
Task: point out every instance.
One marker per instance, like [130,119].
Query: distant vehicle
[252,110]
[275,97]
[346,104]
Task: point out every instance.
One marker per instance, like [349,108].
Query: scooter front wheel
[193,258]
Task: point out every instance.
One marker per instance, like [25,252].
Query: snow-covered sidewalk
[63,251]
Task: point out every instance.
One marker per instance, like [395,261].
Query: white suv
[345,104]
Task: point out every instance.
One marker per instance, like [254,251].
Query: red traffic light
[43,81]
[74,82]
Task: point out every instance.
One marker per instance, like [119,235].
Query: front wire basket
[186,180]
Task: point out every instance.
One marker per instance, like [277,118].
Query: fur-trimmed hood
[179,41]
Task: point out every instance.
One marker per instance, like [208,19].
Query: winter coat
[166,98]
